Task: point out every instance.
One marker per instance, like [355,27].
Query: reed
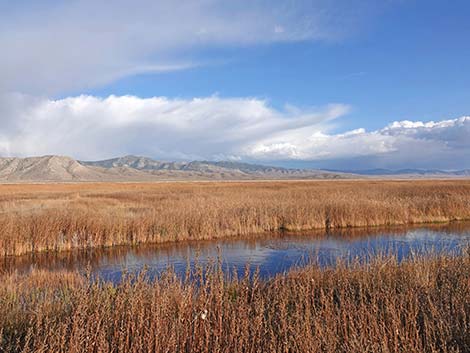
[54,217]
[420,305]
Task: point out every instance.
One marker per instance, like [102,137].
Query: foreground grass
[68,216]
[421,305]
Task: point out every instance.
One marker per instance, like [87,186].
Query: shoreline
[280,232]
[61,217]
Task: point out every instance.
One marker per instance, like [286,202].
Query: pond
[270,253]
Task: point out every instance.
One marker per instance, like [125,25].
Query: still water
[270,253]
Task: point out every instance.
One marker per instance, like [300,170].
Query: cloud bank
[51,47]
[88,127]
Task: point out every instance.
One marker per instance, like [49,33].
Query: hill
[46,168]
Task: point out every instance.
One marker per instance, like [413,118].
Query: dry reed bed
[421,305]
[68,216]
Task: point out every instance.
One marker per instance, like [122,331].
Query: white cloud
[91,127]
[88,127]
[55,46]
[400,144]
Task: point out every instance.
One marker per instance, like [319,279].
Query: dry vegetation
[67,216]
[421,305]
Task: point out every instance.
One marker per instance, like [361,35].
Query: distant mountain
[208,169]
[145,163]
[409,172]
[135,168]
[47,168]
[255,168]
[136,162]
[148,164]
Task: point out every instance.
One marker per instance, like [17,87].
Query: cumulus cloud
[402,144]
[88,127]
[413,138]
[55,46]
[91,127]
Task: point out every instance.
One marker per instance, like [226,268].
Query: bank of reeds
[420,305]
[54,217]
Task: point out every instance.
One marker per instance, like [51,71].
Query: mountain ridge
[53,168]
[146,163]
[405,171]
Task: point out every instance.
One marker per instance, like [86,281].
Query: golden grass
[53,217]
[421,305]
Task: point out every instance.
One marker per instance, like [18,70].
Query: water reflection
[271,253]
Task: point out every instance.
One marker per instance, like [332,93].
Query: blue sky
[409,62]
[334,84]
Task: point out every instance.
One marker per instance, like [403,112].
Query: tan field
[421,305]
[53,217]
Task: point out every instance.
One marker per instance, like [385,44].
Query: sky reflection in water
[271,253]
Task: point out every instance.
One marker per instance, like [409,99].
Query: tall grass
[67,216]
[420,305]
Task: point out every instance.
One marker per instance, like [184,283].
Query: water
[270,253]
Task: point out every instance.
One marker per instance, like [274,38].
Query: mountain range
[134,168]
[408,172]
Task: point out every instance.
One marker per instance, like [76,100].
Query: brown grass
[421,305]
[67,216]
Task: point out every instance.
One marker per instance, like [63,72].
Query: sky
[337,84]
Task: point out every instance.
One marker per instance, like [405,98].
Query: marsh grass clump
[54,217]
[419,305]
